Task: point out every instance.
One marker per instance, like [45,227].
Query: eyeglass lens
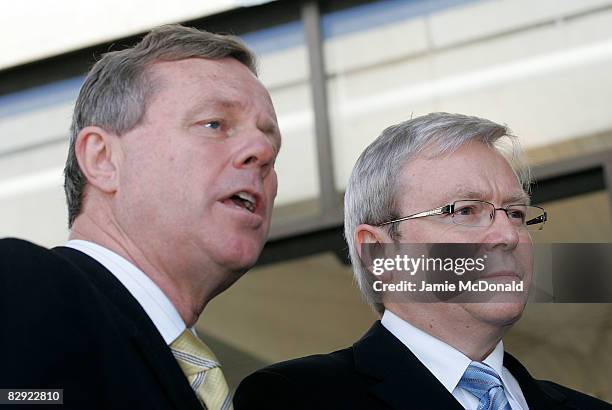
[479,213]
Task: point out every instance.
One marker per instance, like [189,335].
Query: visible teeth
[246,196]
[248,200]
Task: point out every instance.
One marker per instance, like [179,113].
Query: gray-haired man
[170,184]
[440,178]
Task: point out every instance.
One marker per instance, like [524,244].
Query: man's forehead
[225,83]
[198,65]
[226,73]
[446,193]
[474,171]
[209,86]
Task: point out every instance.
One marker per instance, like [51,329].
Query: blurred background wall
[339,72]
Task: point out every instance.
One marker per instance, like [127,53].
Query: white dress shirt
[448,364]
[154,302]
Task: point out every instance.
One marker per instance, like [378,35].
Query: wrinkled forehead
[472,171]
[226,81]
[228,71]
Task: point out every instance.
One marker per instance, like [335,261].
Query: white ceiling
[35,29]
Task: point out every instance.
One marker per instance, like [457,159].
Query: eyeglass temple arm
[538,219]
[446,209]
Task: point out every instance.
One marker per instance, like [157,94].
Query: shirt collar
[445,362]
[495,359]
[155,303]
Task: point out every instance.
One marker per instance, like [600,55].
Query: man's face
[197,179]
[474,171]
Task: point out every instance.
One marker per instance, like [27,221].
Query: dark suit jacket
[379,372]
[67,323]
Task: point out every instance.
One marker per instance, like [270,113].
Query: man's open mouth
[244,200]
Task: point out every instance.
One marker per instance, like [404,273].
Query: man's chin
[241,259]
[501,314]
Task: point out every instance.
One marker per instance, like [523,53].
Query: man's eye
[213,125]
[516,214]
[466,210]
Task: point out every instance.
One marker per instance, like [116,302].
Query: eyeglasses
[482,214]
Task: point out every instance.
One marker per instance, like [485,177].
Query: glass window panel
[390,60]
[584,218]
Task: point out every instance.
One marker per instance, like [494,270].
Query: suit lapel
[139,327]
[538,395]
[400,379]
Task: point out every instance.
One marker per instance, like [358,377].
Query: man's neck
[475,340]
[189,299]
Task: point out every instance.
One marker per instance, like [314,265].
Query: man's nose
[502,232]
[256,151]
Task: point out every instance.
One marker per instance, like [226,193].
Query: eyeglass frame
[449,209]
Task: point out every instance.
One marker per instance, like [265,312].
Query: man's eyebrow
[512,198]
[465,193]
[269,126]
[214,103]
[228,103]
[518,198]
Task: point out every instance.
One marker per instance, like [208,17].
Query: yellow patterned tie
[203,372]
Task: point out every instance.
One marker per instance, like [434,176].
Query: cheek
[434,232]
[145,170]
[272,185]
[525,258]
[416,233]
[525,250]
[189,174]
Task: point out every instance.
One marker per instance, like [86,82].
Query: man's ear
[97,152]
[365,233]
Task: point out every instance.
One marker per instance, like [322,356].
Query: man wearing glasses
[440,178]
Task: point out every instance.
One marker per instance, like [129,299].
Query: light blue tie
[482,381]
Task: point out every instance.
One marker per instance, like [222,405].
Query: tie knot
[479,378]
[482,381]
[192,353]
[203,372]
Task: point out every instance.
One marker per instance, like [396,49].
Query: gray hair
[116,90]
[370,192]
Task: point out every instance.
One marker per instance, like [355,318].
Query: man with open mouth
[170,185]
